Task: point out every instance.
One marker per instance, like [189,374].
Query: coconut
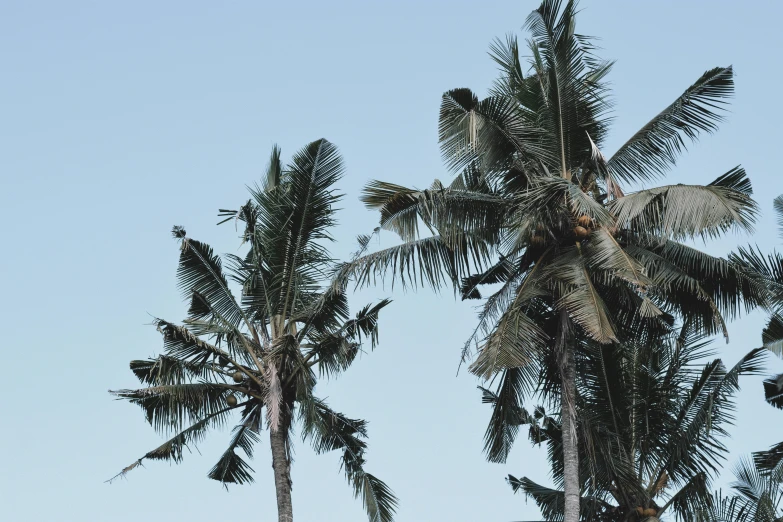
[238,376]
[581,232]
[640,511]
[231,400]
[584,221]
[650,512]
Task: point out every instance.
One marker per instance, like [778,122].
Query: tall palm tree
[261,355]
[769,271]
[652,420]
[537,208]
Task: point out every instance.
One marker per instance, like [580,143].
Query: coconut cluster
[583,226]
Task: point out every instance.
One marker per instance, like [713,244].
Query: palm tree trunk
[570,437]
[281,465]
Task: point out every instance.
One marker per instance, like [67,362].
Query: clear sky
[121,119]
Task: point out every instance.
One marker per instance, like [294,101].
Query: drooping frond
[169,370]
[426,262]
[551,502]
[169,407]
[231,468]
[579,297]
[328,431]
[778,205]
[772,335]
[515,342]
[655,147]
[451,211]
[507,414]
[173,448]
[686,211]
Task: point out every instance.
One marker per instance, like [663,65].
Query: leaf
[329,431]
[686,211]
[507,414]
[200,271]
[173,448]
[231,468]
[655,147]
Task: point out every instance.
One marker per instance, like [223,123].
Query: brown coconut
[231,400]
[581,232]
[238,376]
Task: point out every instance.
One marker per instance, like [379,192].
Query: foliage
[653,420]
[537,211]
[258,356]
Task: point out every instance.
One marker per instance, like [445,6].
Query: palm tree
[652,423]
[265,351]
[537,208]
[769,271]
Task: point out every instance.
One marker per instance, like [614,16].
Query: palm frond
[772,335]
[328,431]
[451,211]
[686,211]
[231,468]
[580,299]
[169,407]
[507,414]
[201,271]
[173,448]
[655,147]
[771,459]
[427,262]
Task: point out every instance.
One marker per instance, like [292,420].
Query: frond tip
[178,232]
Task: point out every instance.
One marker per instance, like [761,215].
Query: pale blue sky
[121,119]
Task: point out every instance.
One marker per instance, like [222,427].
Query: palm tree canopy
[537,208]
[259,355]
[538,211]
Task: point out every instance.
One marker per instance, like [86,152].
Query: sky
[121,119]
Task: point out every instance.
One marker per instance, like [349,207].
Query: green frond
[451,211]
[426,262]
[507,414]
[655,147]
[379,501]
[231,468]
[170,370]
[604,253]
[773,391]
[772,335]
[200,271]
[172,449]
[515,342]
[579,297]
[330,431]
[169,407]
